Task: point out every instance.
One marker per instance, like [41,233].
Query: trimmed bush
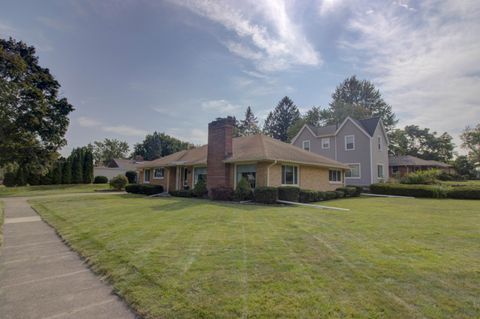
[100,180]
[358,190]
[131,176]
[421,177]
[464,192]
[426,191]
[182,193]
[340,194]
[330,195]
[265,195]
[222,193]
[200,188]
[145,189]
[119,182]
[307,196]
[289,193]
[243,190]
[9,179]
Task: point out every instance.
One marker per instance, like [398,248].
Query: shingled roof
[369,125]
[409,160]
[249,148]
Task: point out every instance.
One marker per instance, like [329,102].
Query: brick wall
[311,177]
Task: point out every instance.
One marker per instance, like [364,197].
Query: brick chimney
[220,147]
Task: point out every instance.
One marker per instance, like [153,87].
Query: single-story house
[117,166]
[262,160]
[401,165]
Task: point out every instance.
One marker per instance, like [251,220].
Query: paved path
[40,277]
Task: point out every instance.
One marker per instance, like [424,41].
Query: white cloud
[195,136]
[264,32]
[327,6]
[424,61]
[220,106]
[88,122]
[125,130]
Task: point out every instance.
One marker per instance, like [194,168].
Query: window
[325,143]
[335,176]
[306,145]
[349,142]
[395,169]
[354,171]
[158,173]
[146,176]
[199,173]
[379,142]
[289,175]
[380,171]
[249,172]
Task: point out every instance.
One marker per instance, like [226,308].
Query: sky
[132,67]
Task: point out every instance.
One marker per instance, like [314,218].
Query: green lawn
[186,258]
[50,189]
[1,223]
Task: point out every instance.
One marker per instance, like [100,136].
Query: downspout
[268,171]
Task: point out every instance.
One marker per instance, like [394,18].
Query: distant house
[360,144]
[401,165]
[117,166]
[261,160]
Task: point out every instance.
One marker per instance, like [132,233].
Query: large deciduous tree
[422,143]
[359,99]
[33,117]
[157,145]
[281,118]
[249,125]
[471,142]
[108,149]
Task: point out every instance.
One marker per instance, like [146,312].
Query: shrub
[444,176]
[358,190]
[243,190]
[308,196]
[289,193]
[119,182]
[9,179]
[131,176]
[182,193]
[340,194]
[146,189]
[100,180]
[330,195]
[427,191]
[421,177]
[200,188]
[266,195]
[464,192]
[222,193]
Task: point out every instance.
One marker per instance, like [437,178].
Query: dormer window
[349,142]
[306,145]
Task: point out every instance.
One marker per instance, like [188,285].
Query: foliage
[222,193]
[77,160]
[9,179]
[444,176]
[100,179]
[158,145]
[422,143]
[358,190]
[464,166]
[33,118]
[330,195]
[182,193]
[265,195]
[44,190]
[421,177]
[471,142]
[310,196]
[289,193]
[67,171]
[119,182]
[359,99]
[57,173]
[108,149]
[200,188]
[145,189]
[340,194]
[87,166]
[243,190]
[464,192]
[249,125]
[314,117]
[131,176]
[350,191]
[280,119]
[427,191]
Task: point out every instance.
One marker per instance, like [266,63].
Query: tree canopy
[249,125]
[108,149]
[358,99]
[281,118]
[158,145]
[471,142]
[313,117]
[33,117]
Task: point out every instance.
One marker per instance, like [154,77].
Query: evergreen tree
[67,171]
[281,118]
[57,173]
[314,117]
[88,167]
[249,125]
[77,172]
[21,178]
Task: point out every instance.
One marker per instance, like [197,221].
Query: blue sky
[131,67]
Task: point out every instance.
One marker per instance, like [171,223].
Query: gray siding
[316,144]
[379,156]
[361,153]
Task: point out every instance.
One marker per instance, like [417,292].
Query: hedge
[425,191]
[100,180]
[182,193]
[289,193]
[464,192]
[351,191]
[265,195]
[222,193]
[145,189]
[309,196]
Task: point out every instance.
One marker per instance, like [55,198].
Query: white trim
[345,140]
[342,177]
[379,142]
[300,132]
[235,173]
[298,175]
[355,123]
[359,171]
[153,177]
[372,179]
[383,171]
[321,142]
[193,173]
[309,145]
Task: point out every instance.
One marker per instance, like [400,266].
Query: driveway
[40,277]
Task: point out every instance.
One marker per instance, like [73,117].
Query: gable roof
[370,124]
[408,160]
[121,163]
[249,148]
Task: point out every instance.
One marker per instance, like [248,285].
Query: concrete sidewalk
[40,277]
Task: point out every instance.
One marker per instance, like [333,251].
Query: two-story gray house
[361,144]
